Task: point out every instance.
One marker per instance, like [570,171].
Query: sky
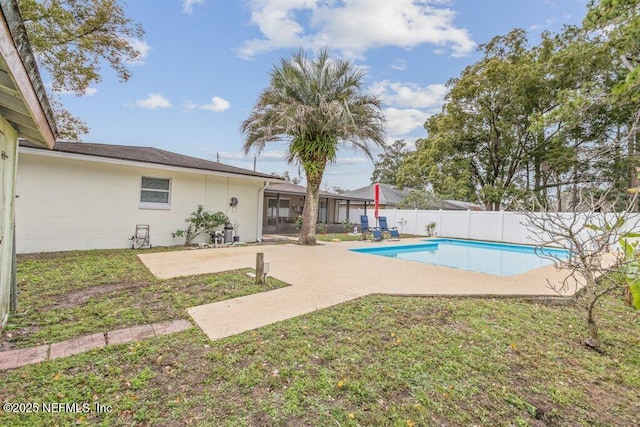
[205,62]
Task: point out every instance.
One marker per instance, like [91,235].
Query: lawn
[379,360]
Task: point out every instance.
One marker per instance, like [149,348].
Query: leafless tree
[591,234]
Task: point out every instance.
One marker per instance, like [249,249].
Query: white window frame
[154,205]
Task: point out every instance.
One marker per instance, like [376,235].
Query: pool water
[485,257]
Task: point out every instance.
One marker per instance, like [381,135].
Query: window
[272,208]
[322,211]
[155,192]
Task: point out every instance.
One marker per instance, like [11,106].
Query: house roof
[389,195]
[23,99]
[149,155]
[299,190]
[459,205]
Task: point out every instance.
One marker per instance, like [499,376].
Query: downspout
[260,212]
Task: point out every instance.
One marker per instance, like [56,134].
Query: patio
[329,274]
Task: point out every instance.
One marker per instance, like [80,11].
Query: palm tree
[316,106]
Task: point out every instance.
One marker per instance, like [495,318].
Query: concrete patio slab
[329,274]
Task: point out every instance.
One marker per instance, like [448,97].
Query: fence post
[468,223]
[259,268]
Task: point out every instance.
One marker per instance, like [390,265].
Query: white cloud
[265,156]
[187,5]
[354,26]
[403,121]
[399,65]
[272,155]
[189,105]
[217,105]
[142,47]
[351,160]
[410,95]
[546,24]
[153,101]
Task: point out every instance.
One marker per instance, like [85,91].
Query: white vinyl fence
[509,227]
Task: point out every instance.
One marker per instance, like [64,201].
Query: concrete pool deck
[328,274]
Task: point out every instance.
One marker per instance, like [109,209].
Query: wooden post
[259,268]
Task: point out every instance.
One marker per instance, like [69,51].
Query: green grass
[379,360]
[68,294]
[327,237]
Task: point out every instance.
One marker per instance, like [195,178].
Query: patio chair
[376,235]
[364,225]
[394,234]
[386,230]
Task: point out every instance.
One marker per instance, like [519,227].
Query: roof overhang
[23,100]
[138,164]
[268,192]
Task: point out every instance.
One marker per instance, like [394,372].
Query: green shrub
[200,221]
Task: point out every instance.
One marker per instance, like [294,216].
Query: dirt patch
[81,296]
[8,340]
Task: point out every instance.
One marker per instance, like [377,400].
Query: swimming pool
[485,257]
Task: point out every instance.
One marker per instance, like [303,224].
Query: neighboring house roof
[299,190]
[23,99]
[148,155]
[459,205]
[389,195]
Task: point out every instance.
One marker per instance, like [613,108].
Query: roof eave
[21,65]
[135,163]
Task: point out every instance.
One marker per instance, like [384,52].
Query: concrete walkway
[25,356]
[329,274]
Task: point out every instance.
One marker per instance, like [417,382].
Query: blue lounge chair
[391,233]
[364,226]
[376,235]
[394,234]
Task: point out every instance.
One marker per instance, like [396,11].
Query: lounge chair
[364,225]
[376,235]
[392,233]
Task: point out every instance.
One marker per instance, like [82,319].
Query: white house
[24,112]
[96,194]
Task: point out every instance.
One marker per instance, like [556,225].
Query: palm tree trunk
[310,212]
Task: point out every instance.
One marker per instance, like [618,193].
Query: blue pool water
[493,258]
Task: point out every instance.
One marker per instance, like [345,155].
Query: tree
[386,168]
[287,177]
[481,135]
[592,269]
[339,190]
[315,105]
[72,39]
[420,199]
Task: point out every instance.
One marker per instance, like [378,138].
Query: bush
[200,221]
[348,225]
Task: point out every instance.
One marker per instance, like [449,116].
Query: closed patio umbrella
[376,200]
